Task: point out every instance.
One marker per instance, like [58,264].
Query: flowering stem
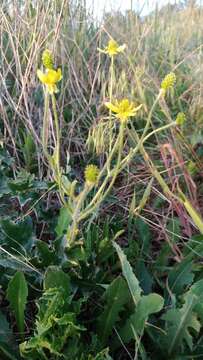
[75,217]
[158,130]
[108,161]
[110,98]
[117,168]
[149,118]
[57,131]
[114,173]
[120,164]
[57,171]
[143,137]
[45,127]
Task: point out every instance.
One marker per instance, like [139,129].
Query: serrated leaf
[56,278]
[147,305]
[49,306]
[128,274]
[180,277]
[16,294]
[179,323]
[54,327]
[44,255]
[116,296]
[197,289]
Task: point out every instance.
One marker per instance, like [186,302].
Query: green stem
[45,126]
[106,165]
[56,156]
[149,118]
[56,122]
[108,161]
[95,201]
[110,99]
[126,160]
[158,130]
[55,165]
[75,218]
[114,173]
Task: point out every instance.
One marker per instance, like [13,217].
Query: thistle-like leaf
[179,323]
[116,296]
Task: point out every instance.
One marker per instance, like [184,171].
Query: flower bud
[91,174]
[180,118]
[169,81]
[47,59]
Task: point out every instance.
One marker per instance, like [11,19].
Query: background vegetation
[132,285]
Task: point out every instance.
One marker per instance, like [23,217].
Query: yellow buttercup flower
[50,78]
[123,109]
[113,48]
[91,174]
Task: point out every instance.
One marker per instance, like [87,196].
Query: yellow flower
[113,48]
[91,174]
[47,59]
[123,109]
[50,78]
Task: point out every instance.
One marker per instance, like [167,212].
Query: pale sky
[145,5]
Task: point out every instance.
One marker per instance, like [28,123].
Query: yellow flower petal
[138,107]
[112,48]
[41,76]
[50,78]
[111,107]
[101,50]
[123,109]
[121,48]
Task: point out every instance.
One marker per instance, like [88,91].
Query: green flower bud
[47,59]
[169,81]
[91,174]
[181,118]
